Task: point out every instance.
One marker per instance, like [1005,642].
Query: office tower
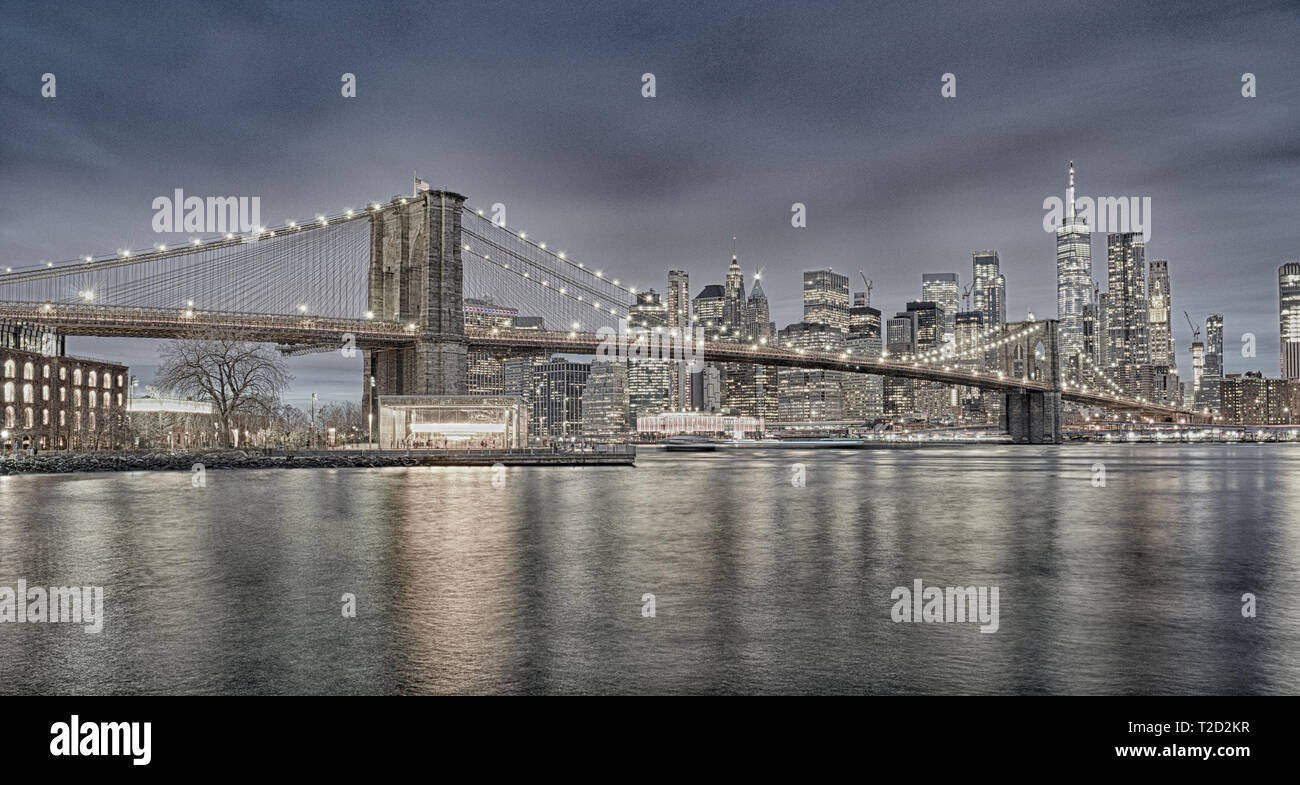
[486,312]
[900,342]
[710,305]
[1288,306]
[735,310]
[706,389]
[750,390]
[483,373]
[483,369]
[649,382]
[1212,375]
[928,325]
[863,393]
[647,313]
[826,299]
[605,403]
[1102,357]
[1089,334]
[1127,301]
[517,380]
[649,386]
[969,333]
[1073,276]
[989,288]
[1198,374]
[968,329]
[679,300]
[679,321]
[557,397]
[862,396]
[759,313]
[932,399]
[805,394]
[942,289]
[1160,328]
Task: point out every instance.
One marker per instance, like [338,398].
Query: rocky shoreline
[67,463]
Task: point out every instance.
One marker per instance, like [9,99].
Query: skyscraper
[942,289]
[605,402]
[759,313]
[679,321]
[900,341]
[710,305]
[1073,276]
[648,312]
[1102,330]
[864,322]
[969,329]
[863,393]
[806,394]
[679,299]
[929,398]
[989,288]
[1198,374]
[735,309]
[1126,304]
[826,299]
[1213,373]
[554,389]
[928,323]
[1160,331]
[648,383]
[1288,306]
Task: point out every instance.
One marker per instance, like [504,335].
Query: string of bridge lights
[1099,371]
[1118,390]
[560,256]
[973,346]
[207,243]
[289,227]
[545,283]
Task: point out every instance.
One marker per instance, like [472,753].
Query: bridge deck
[308,330]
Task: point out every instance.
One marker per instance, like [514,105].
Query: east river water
[541,581]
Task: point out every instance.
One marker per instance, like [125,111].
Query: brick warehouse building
[53,401]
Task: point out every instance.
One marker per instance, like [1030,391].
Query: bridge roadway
[113,321]
[308,330]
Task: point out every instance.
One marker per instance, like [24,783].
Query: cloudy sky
[758,106]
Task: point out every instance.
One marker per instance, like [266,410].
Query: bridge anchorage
[396,280]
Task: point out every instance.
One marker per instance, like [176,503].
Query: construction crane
[1196,331]
[868,283]
[965,296]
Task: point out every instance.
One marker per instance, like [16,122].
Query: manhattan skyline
[749,117]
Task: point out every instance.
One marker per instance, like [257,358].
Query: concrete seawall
[62,463]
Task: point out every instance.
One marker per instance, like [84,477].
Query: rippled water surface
[759,586]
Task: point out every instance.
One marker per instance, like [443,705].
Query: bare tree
[236,376]
[343,416]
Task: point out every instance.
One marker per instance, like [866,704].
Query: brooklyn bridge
[390,279]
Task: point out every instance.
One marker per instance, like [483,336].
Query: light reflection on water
[760,586]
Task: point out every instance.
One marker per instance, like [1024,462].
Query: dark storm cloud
[759,106]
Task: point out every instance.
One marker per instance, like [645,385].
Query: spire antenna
[1069,196]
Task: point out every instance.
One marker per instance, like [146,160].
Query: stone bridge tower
[1032,416]
[416,278]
